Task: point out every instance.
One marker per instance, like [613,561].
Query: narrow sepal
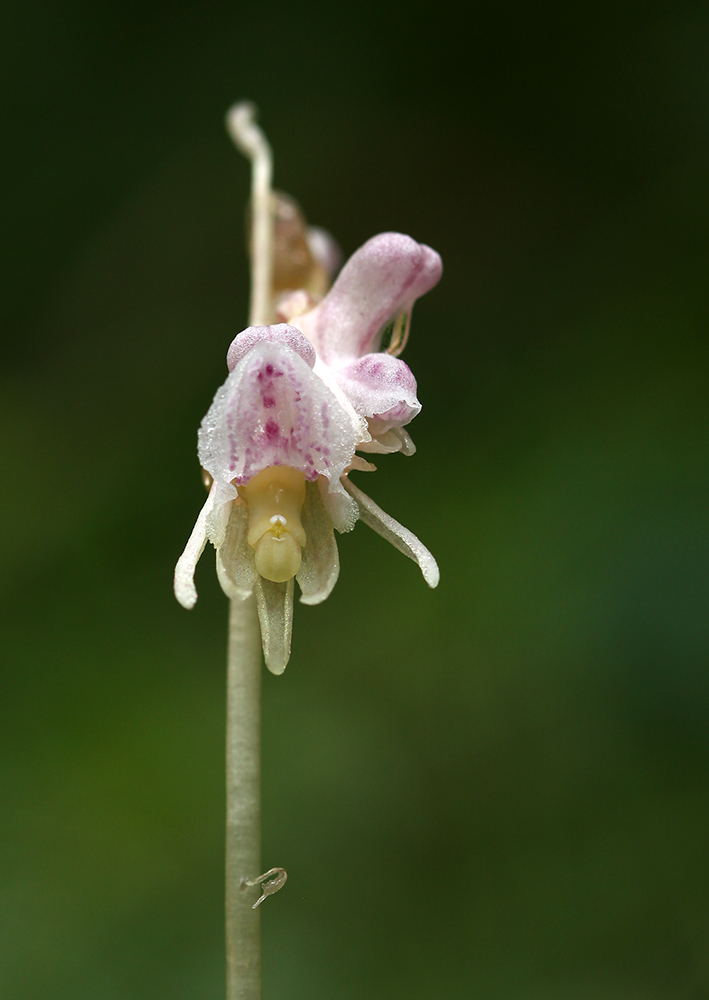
[321,562]
[185,590]
[274,602]
[399,536]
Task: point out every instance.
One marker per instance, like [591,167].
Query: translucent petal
[274,410]
[399,536]
[274,602]
[321,563]
[360,464]
[235,557]
[381,280]
[387,442]
[408,447]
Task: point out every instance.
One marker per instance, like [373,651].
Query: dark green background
[495,791]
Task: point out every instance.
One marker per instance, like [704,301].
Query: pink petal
[274,410]
[381,280]
[279,333]
[382,388]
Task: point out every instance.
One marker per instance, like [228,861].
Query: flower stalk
[243,795]
[313,381]
[243,739]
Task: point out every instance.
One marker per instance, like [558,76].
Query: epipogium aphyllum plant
[314,382]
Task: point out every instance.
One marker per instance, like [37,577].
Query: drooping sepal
[399,536]
[210,526]
[274,602]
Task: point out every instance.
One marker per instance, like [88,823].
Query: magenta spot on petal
[272,431]
[268,402]
[269,370]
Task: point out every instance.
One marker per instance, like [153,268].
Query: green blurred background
[495,791]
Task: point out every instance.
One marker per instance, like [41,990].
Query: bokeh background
[495,791]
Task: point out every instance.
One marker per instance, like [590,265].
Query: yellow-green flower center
[275,498]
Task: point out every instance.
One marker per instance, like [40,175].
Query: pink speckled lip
[274,410]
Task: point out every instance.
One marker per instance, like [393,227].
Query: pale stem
[248,137]
[243,796]
[243,743]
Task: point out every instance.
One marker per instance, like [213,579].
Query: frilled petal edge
[320,567]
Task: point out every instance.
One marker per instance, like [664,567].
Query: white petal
[321,563]
[185,590]
[274,410]
[274,602]
[235,557]
[399,536]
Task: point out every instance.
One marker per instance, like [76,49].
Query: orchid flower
[281,436]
